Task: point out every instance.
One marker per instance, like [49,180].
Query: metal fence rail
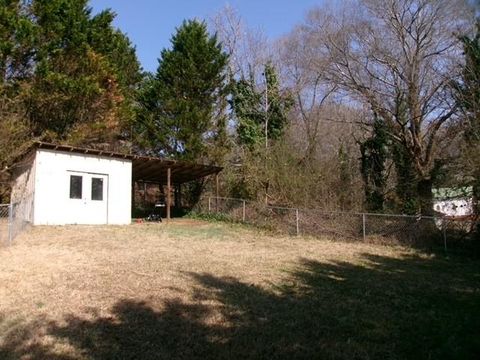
[386,228]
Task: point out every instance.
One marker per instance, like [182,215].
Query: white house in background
[453,202]
[59,184]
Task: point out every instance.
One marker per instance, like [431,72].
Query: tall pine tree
[183,106]
[84,73]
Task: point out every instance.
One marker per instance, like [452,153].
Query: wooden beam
[192,173]
[181,170]
[154,170]
[169,186]
[141,170]
[157,175]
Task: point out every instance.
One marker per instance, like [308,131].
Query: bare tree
[249,49]
[398,57]
[303,73]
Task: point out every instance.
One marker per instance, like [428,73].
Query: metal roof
[144,168]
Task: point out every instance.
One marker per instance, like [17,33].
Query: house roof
[144,168]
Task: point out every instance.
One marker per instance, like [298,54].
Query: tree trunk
[425,196]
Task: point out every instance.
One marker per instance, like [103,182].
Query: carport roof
[145,168]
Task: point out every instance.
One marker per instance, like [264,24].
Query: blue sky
[150,23]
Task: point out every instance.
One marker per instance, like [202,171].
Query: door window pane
[97,189]
[75,187]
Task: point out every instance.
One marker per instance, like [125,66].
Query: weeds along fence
[380,228]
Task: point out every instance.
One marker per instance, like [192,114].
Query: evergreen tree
[83,74]
[468,99]
[408,185]
[246,103]
[65,76]
[254,107]
[261,115]
[406,181]
[17,33]
[182,108]
[373,163]
[279,104]
[468,92]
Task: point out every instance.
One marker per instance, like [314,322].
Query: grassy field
[199,290]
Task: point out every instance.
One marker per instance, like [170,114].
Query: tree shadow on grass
[381,308]
[134,331]
[385,308]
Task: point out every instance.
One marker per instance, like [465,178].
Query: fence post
[298,225]
[209,204]
[243,212]
[10,224]
[364,227]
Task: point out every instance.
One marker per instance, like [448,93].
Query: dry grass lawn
[202,290]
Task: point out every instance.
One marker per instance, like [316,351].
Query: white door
[87,198]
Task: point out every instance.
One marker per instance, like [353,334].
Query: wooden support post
[144,192]
[169,190]
[217,191]
[132,203]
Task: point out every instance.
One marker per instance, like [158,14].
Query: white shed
[60,185]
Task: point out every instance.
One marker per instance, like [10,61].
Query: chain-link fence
[379,228]
[14,218]
[5,222]
[21,217]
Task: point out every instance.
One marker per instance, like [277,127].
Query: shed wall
[52,186]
